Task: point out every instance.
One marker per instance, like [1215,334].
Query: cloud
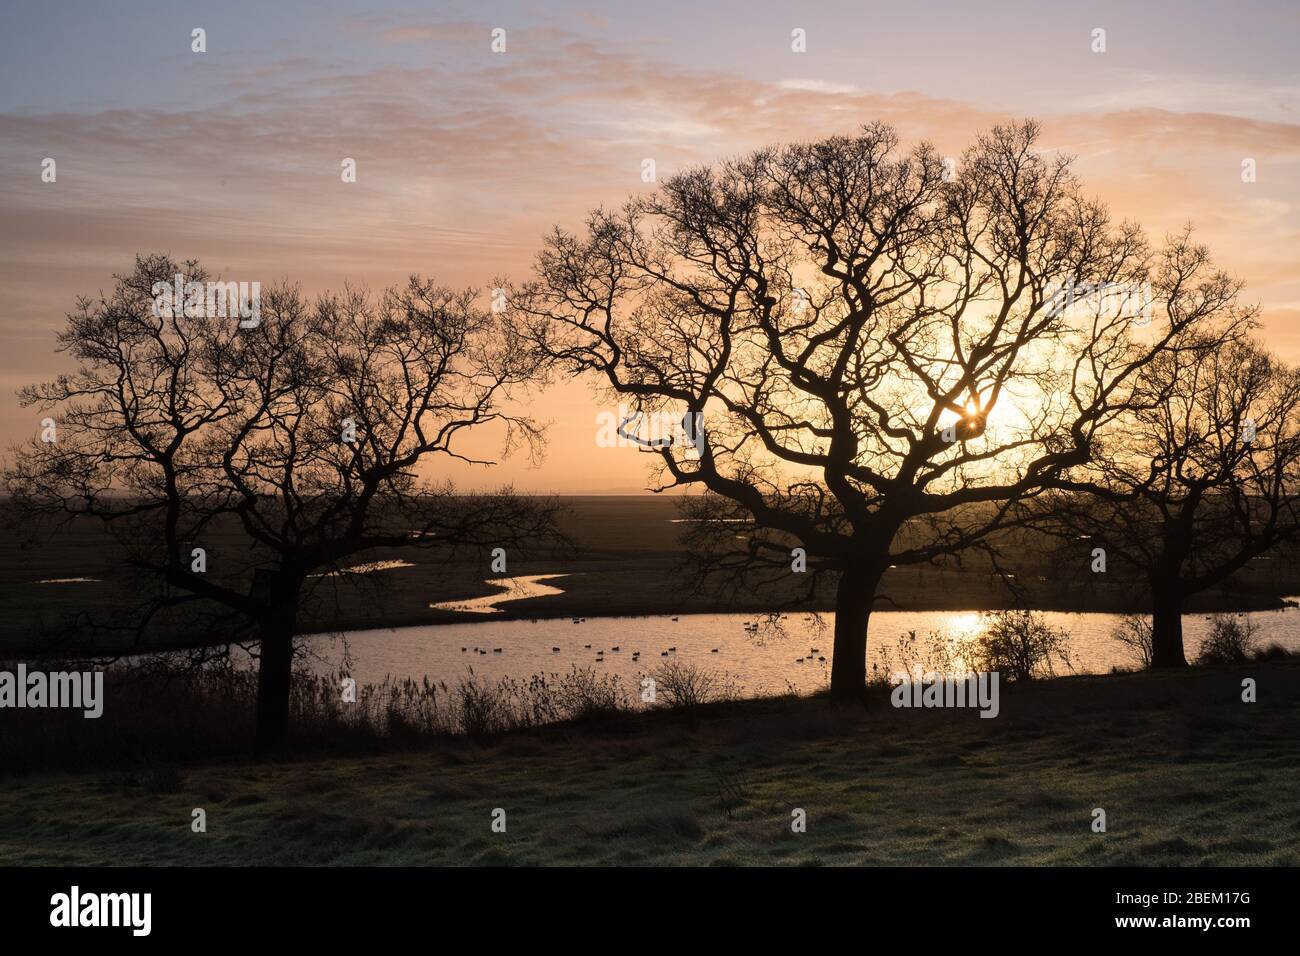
[465,162]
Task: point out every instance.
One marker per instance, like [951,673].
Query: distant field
[629,560]
[1186,772]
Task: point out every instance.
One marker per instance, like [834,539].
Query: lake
[762,655]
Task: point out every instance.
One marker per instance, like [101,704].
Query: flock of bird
[600,654]
[814,653]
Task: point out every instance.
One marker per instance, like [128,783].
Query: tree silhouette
[1196,486]
[876,342]
[303,432]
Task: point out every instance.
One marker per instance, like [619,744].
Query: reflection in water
[368,568]
[515,589]
[963,625]
[793,654]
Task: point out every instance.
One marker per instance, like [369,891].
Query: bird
[555,650]
[674,619]
[663,653]
[715,650]
[673,649]
[614,648]
[464,649]
[822,659]
[497,650]
[586,647]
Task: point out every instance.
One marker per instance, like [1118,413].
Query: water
[764,662]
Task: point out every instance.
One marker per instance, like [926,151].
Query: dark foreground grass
[1187,773]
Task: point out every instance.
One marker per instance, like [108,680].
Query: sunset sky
[466,157]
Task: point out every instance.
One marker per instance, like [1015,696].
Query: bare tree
[303,432]
[1195,487]
[875,343]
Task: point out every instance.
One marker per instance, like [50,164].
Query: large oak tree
[876,342]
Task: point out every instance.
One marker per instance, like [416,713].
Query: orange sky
[466,157]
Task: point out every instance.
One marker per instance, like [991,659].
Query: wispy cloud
[465,161]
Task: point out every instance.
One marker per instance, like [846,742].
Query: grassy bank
[1187,774]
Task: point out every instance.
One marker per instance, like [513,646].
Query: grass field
[1186,772]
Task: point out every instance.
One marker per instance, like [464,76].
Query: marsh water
[763,655]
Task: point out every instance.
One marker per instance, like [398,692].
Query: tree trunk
[1166,626]
[853,600]
[273,677]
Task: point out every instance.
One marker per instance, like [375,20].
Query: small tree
[1134,632]
[304,432]
[1196,485]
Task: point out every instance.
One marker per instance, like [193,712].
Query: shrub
[1230,641]
[686,687]
[915,655]
[1134,632]
[1019,645]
